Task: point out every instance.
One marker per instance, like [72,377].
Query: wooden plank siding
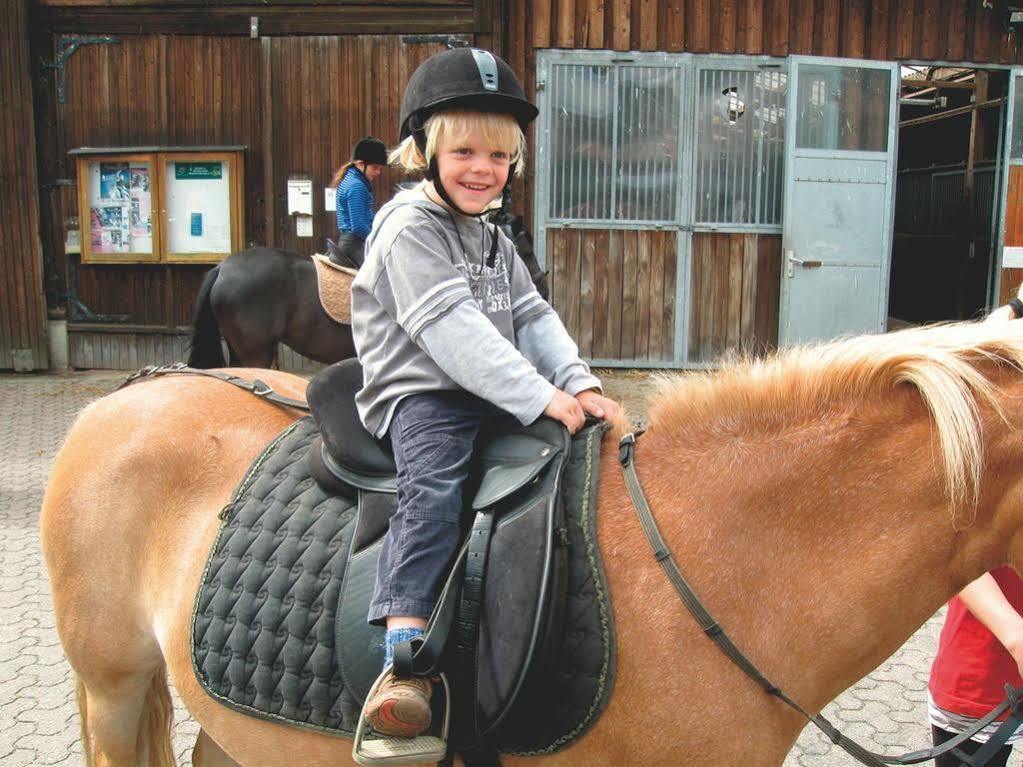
[735,284]
[323,95]
[1013,278]
[143,91]
[99,348]
[615,291]
[23,343]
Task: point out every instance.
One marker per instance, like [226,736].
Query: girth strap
[255,387]
[1012,703]
[468,628]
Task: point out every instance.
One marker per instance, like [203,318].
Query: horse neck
[821,547]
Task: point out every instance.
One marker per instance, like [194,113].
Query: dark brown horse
[261,297]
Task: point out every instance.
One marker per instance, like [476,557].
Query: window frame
[690,65]
[729,62]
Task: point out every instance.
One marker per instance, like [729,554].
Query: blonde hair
[341,172]
[498,130]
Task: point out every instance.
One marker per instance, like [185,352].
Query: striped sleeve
[360,208]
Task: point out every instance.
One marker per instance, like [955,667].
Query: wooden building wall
[615,291]
[22,306]
[735,280]
[1012,279]
[322,75]
[321,95]
[726,269]
[150,90]
[298,96]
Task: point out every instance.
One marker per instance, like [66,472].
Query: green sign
[201,170]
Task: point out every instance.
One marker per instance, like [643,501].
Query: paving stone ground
[39,720]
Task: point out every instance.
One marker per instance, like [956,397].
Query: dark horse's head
[515,228]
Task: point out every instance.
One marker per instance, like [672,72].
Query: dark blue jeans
[433,436]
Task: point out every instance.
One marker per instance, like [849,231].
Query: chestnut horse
[823,504]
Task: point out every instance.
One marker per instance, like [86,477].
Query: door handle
[790,257]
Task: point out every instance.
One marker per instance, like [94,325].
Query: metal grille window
[740,146]
[614,152]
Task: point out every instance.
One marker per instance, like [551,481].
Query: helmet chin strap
[433,175]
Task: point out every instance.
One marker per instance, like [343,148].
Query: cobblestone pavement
[38,717]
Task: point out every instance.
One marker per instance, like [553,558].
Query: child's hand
[567,409]
[598,405]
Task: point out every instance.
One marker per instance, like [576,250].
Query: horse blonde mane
[947,364]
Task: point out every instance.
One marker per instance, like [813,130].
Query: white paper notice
[300,196]
[1012,258]
[304,226]
[329,198]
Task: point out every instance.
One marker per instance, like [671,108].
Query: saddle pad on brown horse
[263,624]
[334,284]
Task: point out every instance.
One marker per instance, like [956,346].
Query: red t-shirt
[972,667]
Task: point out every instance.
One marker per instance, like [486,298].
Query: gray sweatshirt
[430,315]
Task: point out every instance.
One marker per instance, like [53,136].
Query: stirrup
[383,751]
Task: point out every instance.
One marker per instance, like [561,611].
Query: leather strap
[1017,307]
[468,626]
[1012,703]
[999,738]
[255,387]
[423,658]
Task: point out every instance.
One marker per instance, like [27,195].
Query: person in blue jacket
[353,199]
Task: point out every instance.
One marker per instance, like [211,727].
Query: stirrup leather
[386,751]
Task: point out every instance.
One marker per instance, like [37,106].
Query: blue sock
[396,636]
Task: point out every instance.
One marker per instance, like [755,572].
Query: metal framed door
[839,195]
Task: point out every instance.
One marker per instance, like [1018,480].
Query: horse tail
[204,349]
[83,719]
[153,743]
[156,721]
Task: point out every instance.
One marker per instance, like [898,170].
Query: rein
[256,387]
[662,553]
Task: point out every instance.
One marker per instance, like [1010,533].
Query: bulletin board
[160,204]
[202,215]
[116,201]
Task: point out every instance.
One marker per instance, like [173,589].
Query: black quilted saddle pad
[263,633]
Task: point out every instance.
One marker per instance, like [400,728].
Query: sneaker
[400,707]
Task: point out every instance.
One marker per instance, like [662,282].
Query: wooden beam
[940,84]
[191,5]
[951,113]
[273,21]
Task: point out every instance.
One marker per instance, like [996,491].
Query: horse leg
[208,754]
[126,718]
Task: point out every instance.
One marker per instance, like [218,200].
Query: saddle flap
[511,461]
[524,583]
[518,578]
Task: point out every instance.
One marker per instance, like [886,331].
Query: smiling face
[472,169]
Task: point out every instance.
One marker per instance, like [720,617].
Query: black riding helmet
[461,78]
[371,151]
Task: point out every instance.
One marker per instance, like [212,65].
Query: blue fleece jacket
[354,203]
